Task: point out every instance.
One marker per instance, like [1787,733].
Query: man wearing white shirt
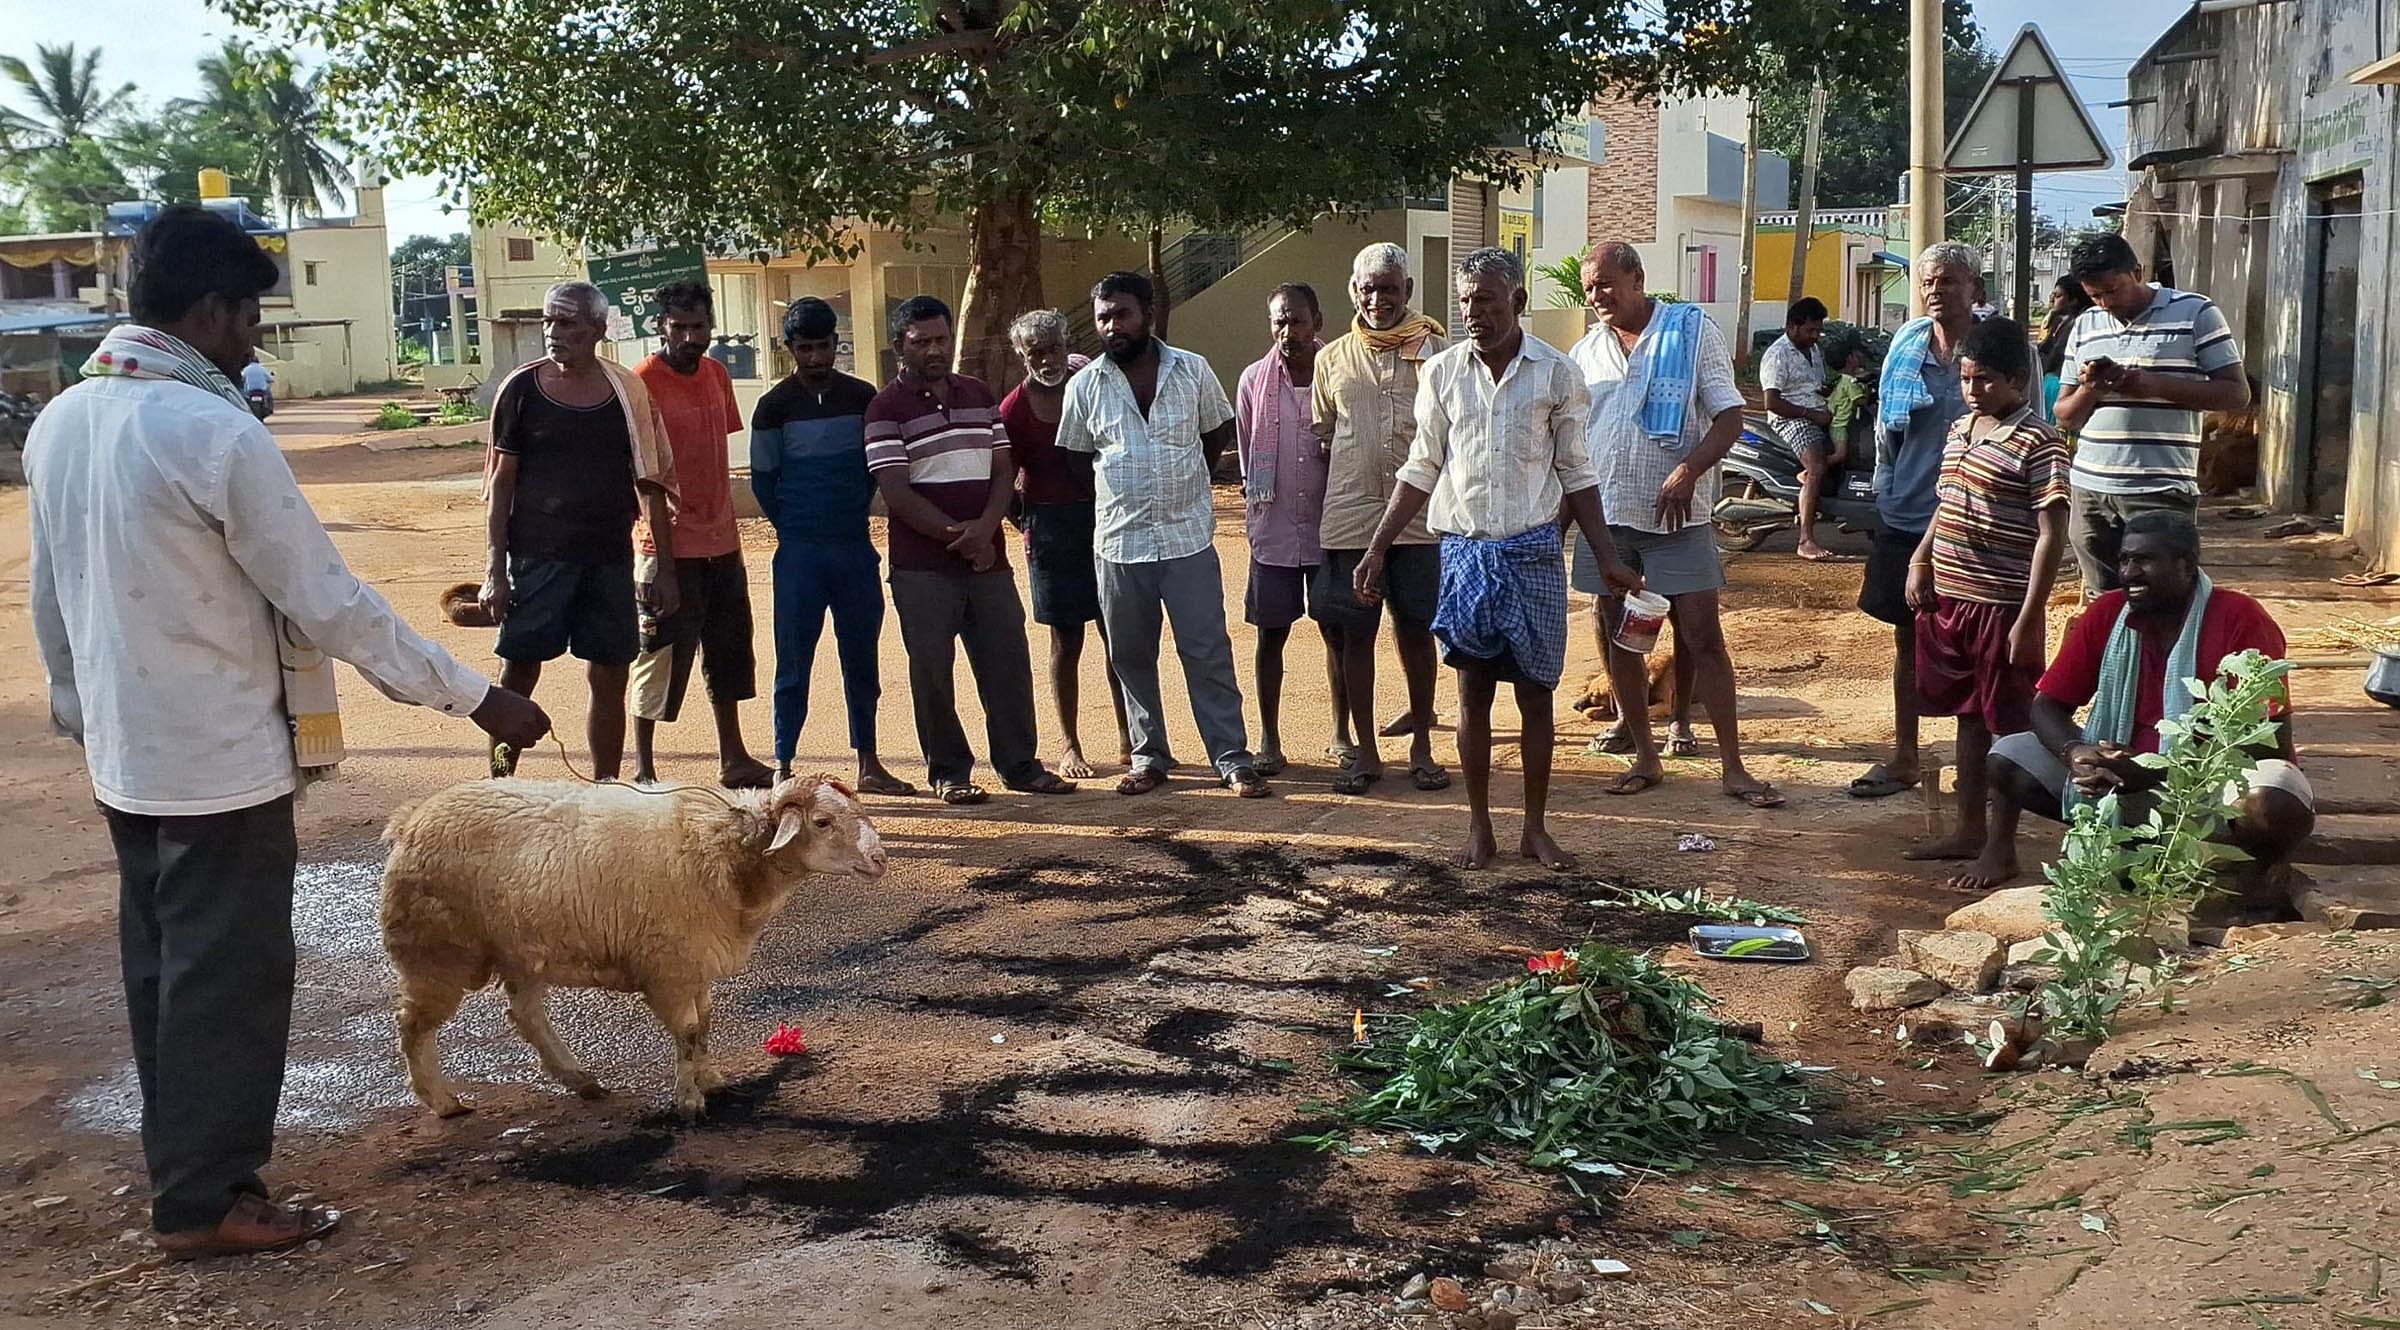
[258,385]
[1665,411]
[1155,420]
[172,557]
[1499,450]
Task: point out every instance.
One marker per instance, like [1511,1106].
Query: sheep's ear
[786,827]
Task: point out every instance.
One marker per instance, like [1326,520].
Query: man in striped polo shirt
[941,461]
[2141,366]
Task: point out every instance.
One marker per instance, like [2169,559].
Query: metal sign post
[2046,129]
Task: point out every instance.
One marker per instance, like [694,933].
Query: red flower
[786,1041]
[1551,962]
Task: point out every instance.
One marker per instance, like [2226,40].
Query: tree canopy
[1863,151]
[779,124]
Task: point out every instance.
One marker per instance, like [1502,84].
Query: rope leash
[504,752]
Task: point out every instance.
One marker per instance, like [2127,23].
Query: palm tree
[68,103]
[292,148]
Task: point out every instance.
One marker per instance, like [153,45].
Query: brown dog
[463,605]
[1599,700]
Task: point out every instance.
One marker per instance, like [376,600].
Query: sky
[2095,41]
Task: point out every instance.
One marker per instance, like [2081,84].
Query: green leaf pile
[1614,1062]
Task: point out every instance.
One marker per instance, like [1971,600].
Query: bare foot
[1985,873]
[1537,844]
[645,776]
[1480,846]
[1071,764]
[1956,845]
[1813,552]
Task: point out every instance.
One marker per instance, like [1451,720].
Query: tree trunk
[1158,281]
[1004,280]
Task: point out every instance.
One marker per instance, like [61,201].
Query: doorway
[2331,344]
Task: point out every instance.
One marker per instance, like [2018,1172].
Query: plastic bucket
[1638,627]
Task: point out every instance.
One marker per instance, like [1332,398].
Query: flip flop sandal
[1246,783]
[1880,784]
[1632,782]
[1354,781]
[1272,764]
[2366,579]
[1683,745]
[1049,783]
[1429,777]
[1140,781]
[890,785]
[960,796]
[1763,796]
[1615,743]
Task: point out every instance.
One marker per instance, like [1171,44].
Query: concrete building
[325,327]
[1848,265]
[1669,182]
[2261,144]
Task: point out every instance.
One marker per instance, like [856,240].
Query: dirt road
[1059,1054]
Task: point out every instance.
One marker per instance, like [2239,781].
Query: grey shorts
[2096,527]
[2024,751]
[1678,563]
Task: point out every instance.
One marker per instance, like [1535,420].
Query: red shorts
[1963,669]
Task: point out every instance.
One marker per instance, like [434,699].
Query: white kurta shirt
[1498,456]
[164,524]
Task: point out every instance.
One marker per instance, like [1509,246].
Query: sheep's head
[820,827]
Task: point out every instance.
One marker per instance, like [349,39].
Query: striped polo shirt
[1987,517]
[948,452]
[808,459]
[2130,446]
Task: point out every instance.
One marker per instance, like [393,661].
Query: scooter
[1759,492]
[262,403]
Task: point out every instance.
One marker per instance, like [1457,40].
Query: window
[308,273]
[520,249]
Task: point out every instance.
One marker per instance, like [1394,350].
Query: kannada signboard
[630,280]
[1516,233]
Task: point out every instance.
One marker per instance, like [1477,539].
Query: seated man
[2163,588]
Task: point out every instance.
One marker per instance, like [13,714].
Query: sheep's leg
[424,1005]
[711,1080]
[678,1009]
[529,1012]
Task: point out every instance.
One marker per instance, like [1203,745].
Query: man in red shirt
[711,622]
[2158,566]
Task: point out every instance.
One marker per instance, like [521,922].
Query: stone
[1965,959]
[1882,988]
[1417,1287]
[1946,1018]
[2028,978]
[2348,898]
[2011,914]
[2023,953]
[2251,935]
[1490,1318]
[1563,1289]
[1514,1269]
[1447,1295]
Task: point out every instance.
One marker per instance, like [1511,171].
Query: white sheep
[552,884]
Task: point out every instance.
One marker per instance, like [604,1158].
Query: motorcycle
[262,403]
[1759,492]
[16,419]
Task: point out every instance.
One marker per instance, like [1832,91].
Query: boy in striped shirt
[2141,366]
[1980,579]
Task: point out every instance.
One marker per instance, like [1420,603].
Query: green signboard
[630,280]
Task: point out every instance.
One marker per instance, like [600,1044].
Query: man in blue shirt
[1908,464]
[808,466]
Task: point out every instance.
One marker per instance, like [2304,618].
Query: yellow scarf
[1412,329]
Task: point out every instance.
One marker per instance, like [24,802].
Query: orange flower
[786,1041]
[1551,962]
[1358,1025]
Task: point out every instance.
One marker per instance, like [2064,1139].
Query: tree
[163,154]
[1864,149]
[291,150]
[783,124]
[68,103]
[419,264]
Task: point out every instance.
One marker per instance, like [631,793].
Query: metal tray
[1718,942]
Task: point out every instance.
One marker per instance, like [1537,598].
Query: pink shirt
[1283,527]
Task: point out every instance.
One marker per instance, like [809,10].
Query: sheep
[542,884]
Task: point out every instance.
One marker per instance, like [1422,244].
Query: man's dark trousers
[204,928]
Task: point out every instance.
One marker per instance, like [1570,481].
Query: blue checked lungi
[1507,597]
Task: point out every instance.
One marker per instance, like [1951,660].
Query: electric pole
[1749,281]
[1804,226]
[1925,131]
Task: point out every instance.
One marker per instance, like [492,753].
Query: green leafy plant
[394,415]
[1562,279]
[459,413]
[1696,901]
[2113,884]
[1594,1059]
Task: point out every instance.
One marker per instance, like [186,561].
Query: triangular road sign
[2063,137]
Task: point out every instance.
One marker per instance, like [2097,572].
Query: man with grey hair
[1920,398]
[1055,507]
[579,453]
[1363,409]
[1499,451]
[1664,412]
